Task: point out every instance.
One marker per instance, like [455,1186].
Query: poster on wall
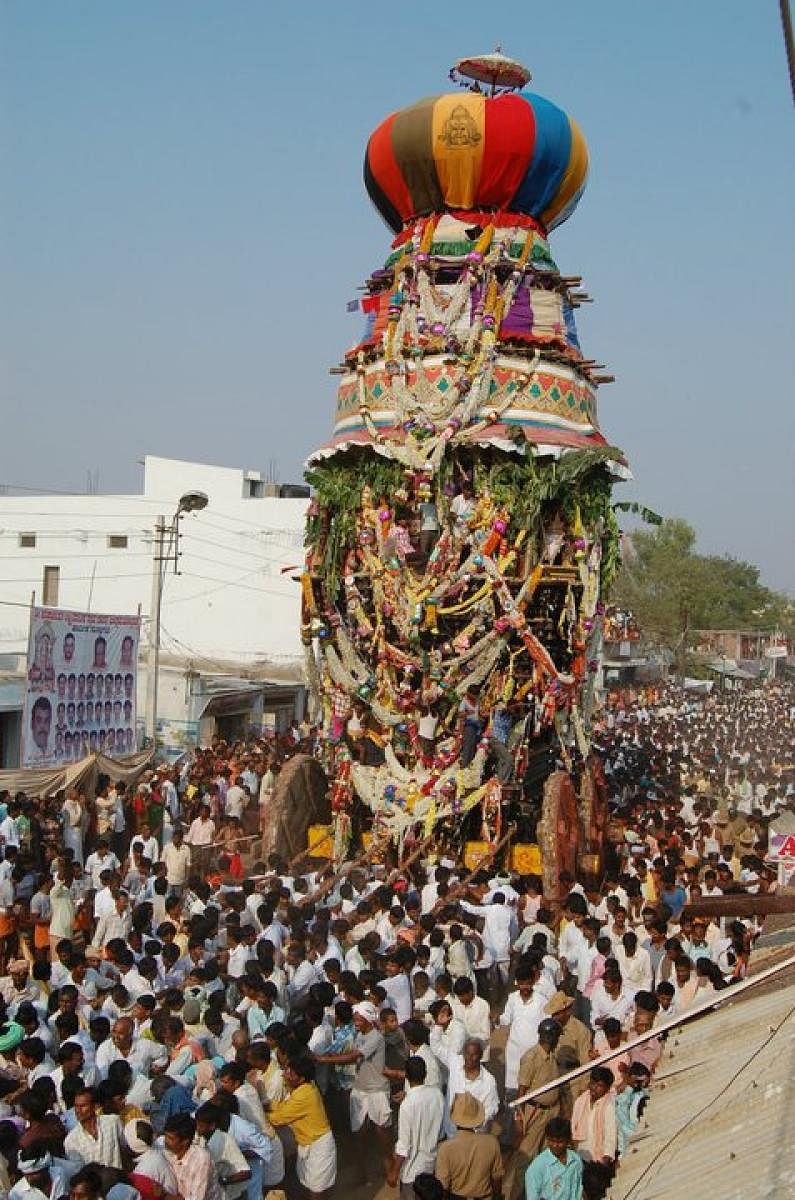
[175,738]
[80,688]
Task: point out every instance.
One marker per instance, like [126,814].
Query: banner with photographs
[81,686]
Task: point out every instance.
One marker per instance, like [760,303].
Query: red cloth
[147,1187]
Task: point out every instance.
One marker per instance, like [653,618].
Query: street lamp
[192,502]
[165,552]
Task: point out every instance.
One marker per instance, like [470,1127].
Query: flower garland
[397,630]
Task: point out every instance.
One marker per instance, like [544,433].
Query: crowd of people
[174,1026]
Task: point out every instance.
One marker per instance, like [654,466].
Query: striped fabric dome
[466,151]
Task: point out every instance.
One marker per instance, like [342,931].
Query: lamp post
[166,550]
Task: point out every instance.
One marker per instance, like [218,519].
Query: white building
[231,652]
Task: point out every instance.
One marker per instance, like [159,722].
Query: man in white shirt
[498,925]
[177,858]
[301,974]
[95,1139]
[18,988]
[473,1012]
[102,859]
[610,998]
[430,892]
[266,787]
[200,839]
[170,796]
[104,899]
[114,925]
[235,801]
[147,842]
[398,989]
[447,1035]
[118,819]
[420,1121]
[239,953]
[635,963]
[467,1074]
[232,1080]
[9,833]
[8,863]
[130,977]
[42,1176]
[139,1052]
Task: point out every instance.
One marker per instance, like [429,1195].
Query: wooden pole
[741,904]
[484,862]
[346,869]
[415,854]
[364,858]
[306,853]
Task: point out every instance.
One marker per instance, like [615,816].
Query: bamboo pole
[346,869]
[487,859]
[247,837]
[307,852]
[415,854]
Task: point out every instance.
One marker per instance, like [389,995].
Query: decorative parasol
[502,74]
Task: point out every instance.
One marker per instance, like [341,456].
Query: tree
[673,590]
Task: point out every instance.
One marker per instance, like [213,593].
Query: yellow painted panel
[320,841]
[526,858]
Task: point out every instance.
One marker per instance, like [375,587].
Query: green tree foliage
[673,590]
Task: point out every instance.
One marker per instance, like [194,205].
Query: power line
[24,487]
[81,512]
[259,526]
[191,536]
[185,535]
[216,563]
[85,554]
[76,579]
[208,591]
[230,583]
[222,665]
[157,504]
[789,41]
[242,520]
[82,535]
[145,575]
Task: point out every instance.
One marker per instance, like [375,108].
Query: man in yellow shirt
[305,1113]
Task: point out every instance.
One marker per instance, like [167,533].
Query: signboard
[81,686]
[776,652]
[781,846]
[175,738]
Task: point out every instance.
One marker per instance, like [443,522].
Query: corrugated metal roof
[721,1118]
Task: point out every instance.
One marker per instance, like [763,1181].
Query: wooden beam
[741,904]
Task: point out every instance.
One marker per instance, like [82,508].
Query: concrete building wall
[232,605]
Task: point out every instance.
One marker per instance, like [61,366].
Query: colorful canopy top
[466,151]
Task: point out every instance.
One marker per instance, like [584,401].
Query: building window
[27,541]
[253,489]
[50,585]
[117,541]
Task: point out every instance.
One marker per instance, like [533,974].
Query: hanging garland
[419,593]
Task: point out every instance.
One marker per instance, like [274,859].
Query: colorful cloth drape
[515,153]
